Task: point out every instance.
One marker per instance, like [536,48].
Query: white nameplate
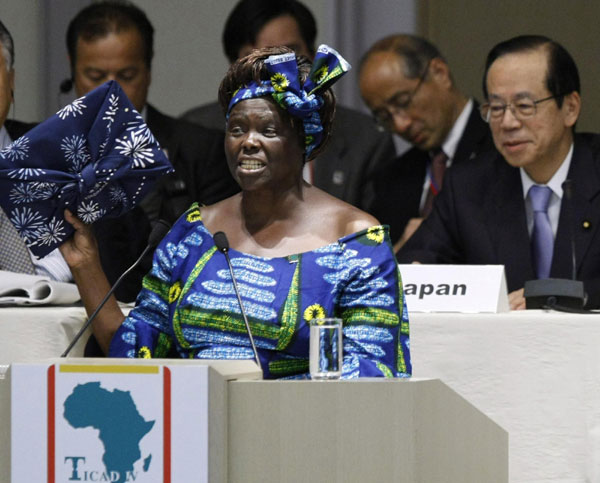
[455,288]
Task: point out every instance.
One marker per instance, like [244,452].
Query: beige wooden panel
[465,31]
[365,430]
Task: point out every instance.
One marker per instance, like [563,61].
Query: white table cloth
[535,373]
[34,333]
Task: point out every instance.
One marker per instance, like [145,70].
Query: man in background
[14,254]
[511,207]
[113,40]
[356,149]
[408,86]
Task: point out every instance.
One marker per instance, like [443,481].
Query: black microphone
[566,295]
[65,86]
[567,187]
[156,235]
[223,246]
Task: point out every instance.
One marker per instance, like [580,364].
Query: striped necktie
[435,172]
[14,256]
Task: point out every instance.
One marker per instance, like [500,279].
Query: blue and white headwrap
[299,101]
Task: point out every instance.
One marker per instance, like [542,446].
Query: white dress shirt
[555,184]
[450,144]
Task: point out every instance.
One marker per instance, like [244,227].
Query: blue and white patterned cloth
[96,157]
[188,306]
[300,101]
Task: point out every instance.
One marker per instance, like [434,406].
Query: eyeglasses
[397,105]
[521,109]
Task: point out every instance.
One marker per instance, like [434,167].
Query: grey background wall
[467,29]
[189,62]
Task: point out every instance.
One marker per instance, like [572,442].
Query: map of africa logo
[121,427]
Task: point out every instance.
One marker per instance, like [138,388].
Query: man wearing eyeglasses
[509,207]
[409,88]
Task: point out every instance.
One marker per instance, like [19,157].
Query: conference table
[535,373]
[29,334]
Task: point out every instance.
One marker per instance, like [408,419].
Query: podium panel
[411,431]
[167,421]
[119,420]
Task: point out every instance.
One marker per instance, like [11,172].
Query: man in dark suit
[114,41]
[509,207]
[408,86]
[345,168]
[14,254]
[9,128]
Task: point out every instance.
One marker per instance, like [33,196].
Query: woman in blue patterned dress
[297,252]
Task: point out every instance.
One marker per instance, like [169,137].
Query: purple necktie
[542,239]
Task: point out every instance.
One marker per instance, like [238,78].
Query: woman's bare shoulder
[346,219]
[357,220]
[213,215]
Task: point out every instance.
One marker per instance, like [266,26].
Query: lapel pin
[586,225]
[338,177]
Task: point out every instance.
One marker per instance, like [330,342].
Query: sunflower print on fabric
[314,311]
[280,82]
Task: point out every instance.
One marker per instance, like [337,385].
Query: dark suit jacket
[479,218]
[399,184]
[201,174]
[346,167]
[17,128]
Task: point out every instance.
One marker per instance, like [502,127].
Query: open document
[22,289]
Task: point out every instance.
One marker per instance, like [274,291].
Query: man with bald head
[407,84]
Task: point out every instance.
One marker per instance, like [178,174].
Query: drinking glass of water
[325,348]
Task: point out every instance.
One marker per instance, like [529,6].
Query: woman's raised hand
[81,250]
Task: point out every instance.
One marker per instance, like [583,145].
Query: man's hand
[516,300]
[410,229]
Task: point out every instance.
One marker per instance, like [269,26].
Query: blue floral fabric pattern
[303,101]
[188,304]
[96,157]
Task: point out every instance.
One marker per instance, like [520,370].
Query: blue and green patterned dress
[188,304]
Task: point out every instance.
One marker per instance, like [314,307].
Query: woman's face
[262,147]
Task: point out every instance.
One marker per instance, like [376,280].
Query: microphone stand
[223,246]
[158,232]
